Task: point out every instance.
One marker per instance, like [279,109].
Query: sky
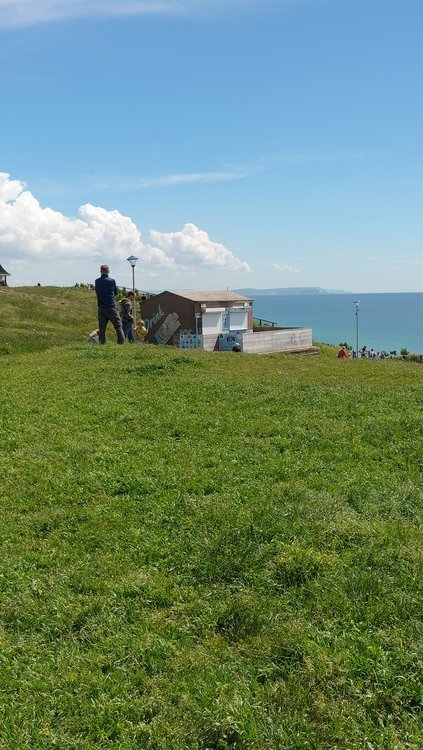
[225,143]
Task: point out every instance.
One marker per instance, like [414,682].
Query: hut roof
[210,296]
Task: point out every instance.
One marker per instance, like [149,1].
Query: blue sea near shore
[387,322]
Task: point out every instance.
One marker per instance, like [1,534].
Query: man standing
[106,291]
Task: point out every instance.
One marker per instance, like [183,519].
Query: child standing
[126,316]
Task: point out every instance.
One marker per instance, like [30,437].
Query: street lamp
[357,316]
[132,261]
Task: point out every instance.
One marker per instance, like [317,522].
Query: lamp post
[132,261]
[357,316]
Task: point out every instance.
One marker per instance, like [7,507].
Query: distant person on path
[342,353]
[106,291]
[126,316]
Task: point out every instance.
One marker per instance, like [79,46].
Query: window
[239,321]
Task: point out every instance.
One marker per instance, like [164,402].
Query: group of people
[371,353]
[364,352]
[122,319]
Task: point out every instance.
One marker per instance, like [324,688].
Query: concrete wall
[272,340]
[277,340]
[210,342]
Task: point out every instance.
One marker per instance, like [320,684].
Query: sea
[386,321]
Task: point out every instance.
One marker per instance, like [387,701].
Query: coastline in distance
[249,292]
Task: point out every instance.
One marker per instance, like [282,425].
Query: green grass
[34,319]
[208,551]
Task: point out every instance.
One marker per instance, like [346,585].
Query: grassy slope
[209,551]
[35,318]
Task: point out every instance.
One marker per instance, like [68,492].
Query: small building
[172,314]
[3,276]
[212,320]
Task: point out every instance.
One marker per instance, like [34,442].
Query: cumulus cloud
[29,231]
[193,245]
[284,267]
[9,189]
[27,12]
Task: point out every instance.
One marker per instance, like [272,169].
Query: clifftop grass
[209,551]
[36,318]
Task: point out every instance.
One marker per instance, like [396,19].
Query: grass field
[205,551]
[33,319]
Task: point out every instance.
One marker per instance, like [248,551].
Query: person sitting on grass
[141,331]
[126,316]
[93,337]
[342,353]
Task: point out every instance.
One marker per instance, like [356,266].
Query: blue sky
[226,143]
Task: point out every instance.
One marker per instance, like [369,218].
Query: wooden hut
[3,276]
[169,314]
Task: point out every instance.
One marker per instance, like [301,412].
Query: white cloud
[192,246]
[184,178]
[28,231]
[9,189]
[284,267]
[27,12]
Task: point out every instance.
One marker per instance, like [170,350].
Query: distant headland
[290,290]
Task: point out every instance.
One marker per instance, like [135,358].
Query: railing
[262,323]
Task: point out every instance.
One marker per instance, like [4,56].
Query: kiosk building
[211,320]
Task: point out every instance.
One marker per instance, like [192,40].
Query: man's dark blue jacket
[106,290]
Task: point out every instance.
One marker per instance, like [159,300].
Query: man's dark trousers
[104,315]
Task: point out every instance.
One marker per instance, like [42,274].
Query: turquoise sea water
[386,321]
